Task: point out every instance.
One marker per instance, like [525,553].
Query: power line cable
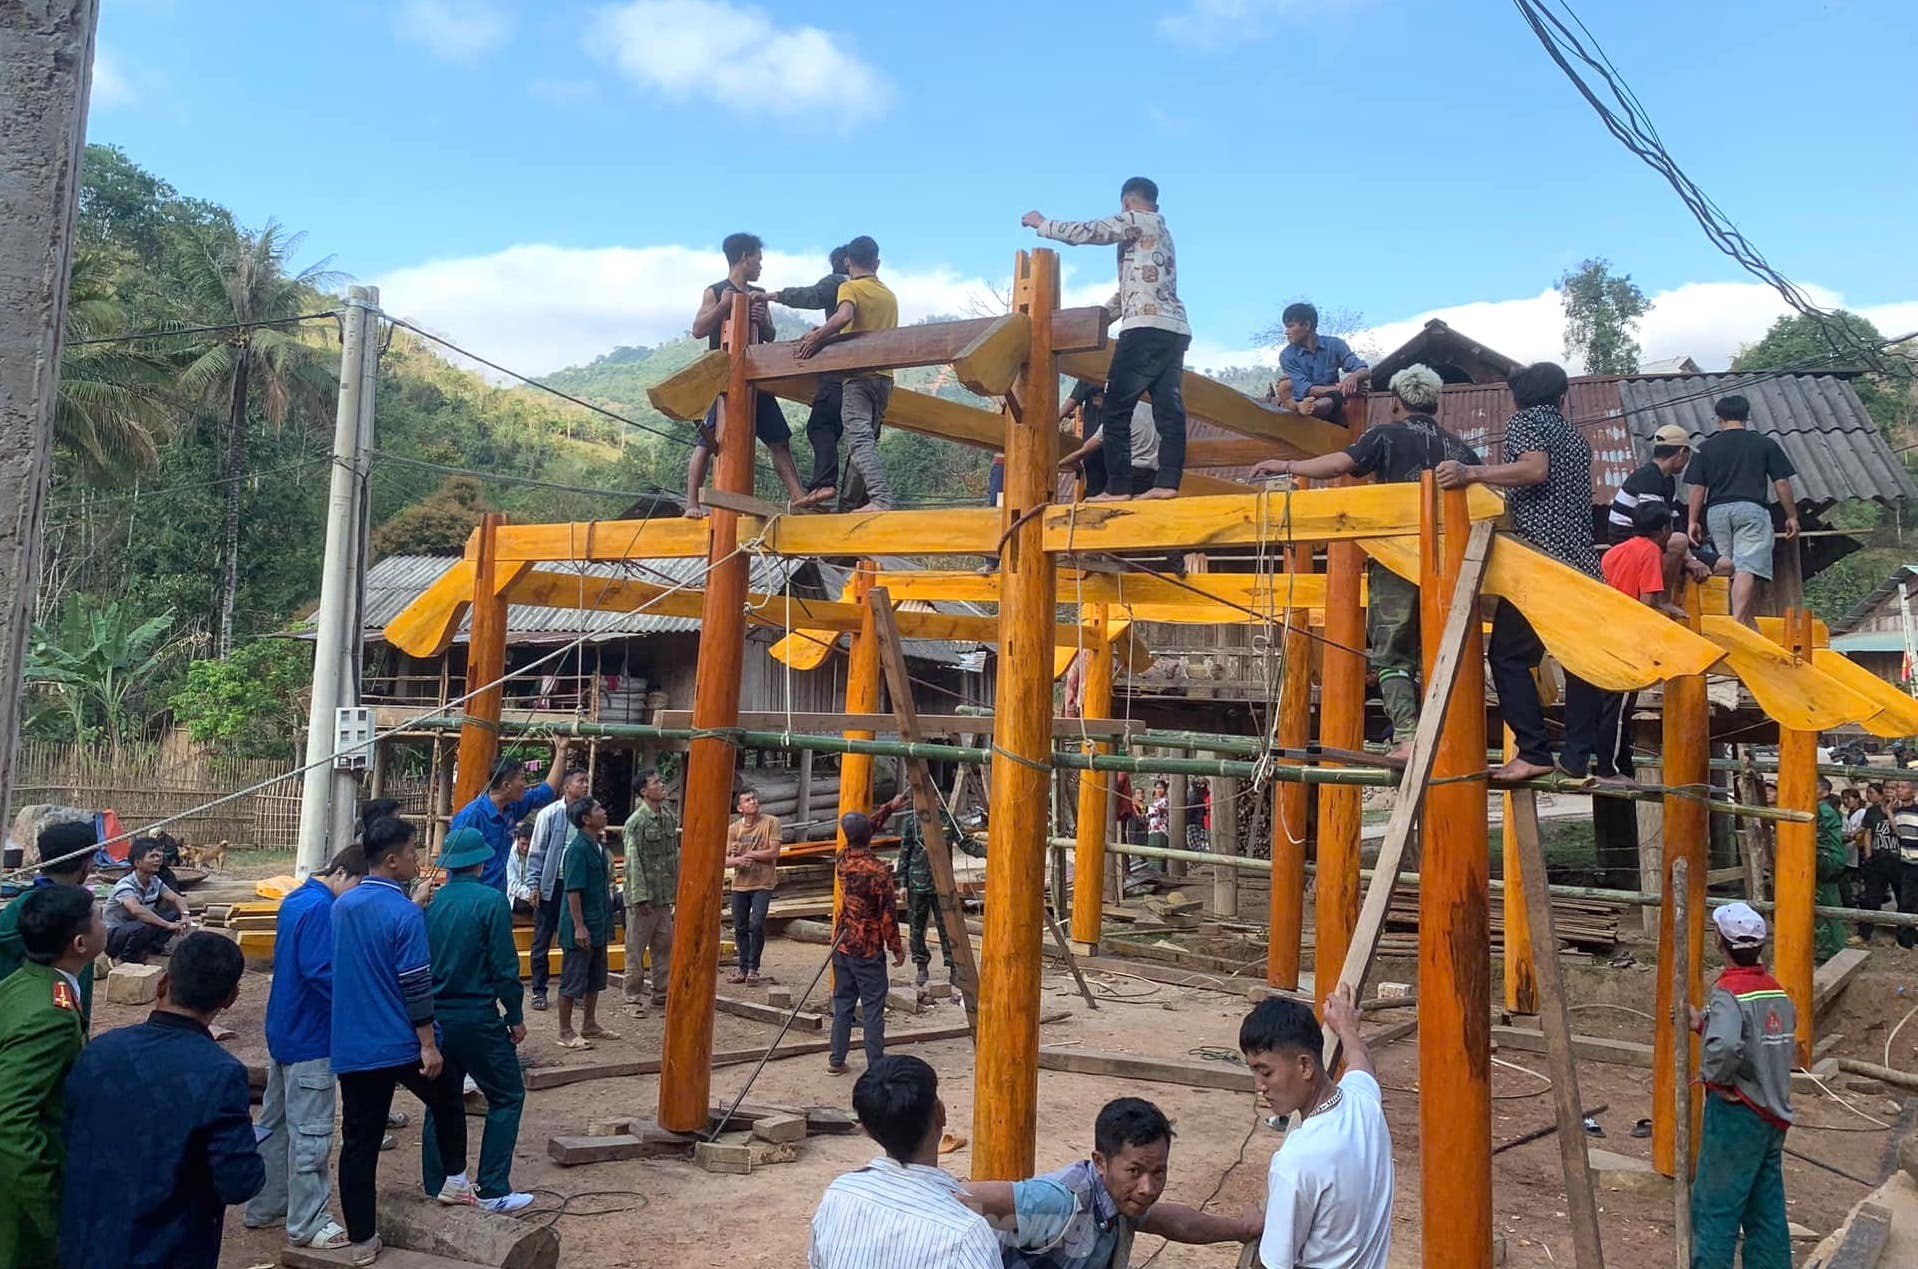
[171,332]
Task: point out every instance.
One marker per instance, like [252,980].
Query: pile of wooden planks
[1588,924]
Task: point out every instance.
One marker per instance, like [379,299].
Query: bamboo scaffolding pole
[1361,777]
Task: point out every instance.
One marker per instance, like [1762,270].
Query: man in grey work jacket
[550,830]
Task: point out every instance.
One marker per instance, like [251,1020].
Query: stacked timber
[1588,924]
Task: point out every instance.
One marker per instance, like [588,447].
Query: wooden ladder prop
[926,805]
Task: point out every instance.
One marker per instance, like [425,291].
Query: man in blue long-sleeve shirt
[507,800]
[149,1178]
[296,1116]
[1322,369]
[383,1033]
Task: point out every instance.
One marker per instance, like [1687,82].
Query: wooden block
[732,1153]
[780,998]
[1161,1070]
[609,1127]
[134,984]
[391,1258]
[1587,1048]
[1863,1246]
[1834,976]
[1613,1171]
[780,1128]
[902,999]
[411,1221]
[829,1121]
[655,1143]
[769,1152]
[802,1021]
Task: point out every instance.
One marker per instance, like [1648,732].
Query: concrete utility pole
[46,69]
[328,793]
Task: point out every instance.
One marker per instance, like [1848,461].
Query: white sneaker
[507,1203]
[471,1085]
[458,1192]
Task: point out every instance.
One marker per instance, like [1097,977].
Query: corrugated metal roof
[1824,429]
[1868,641]
[1869,604]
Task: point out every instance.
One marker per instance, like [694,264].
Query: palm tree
[110,415]
[247,281]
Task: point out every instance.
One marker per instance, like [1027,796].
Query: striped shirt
[890,1215]
[1904,821]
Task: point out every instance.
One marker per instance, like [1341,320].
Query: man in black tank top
[1396,452]
[769,424]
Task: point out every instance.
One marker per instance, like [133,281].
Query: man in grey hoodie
[1749,1045]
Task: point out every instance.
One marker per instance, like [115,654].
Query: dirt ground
[671,1213]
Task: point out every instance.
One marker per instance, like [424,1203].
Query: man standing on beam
[1153,335]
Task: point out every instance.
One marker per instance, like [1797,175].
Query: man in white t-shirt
[1329,1191]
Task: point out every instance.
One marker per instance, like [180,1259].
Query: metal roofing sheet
[1818,420]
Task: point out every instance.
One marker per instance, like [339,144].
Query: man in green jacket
[922,893]
[41,1033]
[469,931]
[1828,939]
[585,924]
[57,841]
[651,838]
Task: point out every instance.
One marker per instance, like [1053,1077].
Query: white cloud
[734,56]
[539,308]
[461,31]
[111,87]
[1212,23]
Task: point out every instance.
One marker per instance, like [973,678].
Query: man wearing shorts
[769,421]
[1729,479]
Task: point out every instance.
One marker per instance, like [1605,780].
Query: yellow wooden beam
[425,628]
[989,364]
[606,541]
[1792,692]
[1898,713]
[1605,637]
[931,344]
[805,649]
[688,393]
[1292,435]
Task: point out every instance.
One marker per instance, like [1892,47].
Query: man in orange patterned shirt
[868,929]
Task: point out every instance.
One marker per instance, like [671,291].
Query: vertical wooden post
[1006,1086]
[862,697]
[1521,964]
[1455,1037]
[1679,1023]
[1795,870]
[802,799]
[1341,726]
[485,665]
[1089,857]
[1175,822]
[1290,802]
[685,1075]
[1225,841]
[1687,767]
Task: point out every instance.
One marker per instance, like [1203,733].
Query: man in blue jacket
[150,1177]
[508,799]
[296,1116]
[383,1032]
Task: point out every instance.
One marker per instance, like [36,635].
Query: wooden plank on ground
[803,1020]
[927,806]
[1588,1048]
[1834,976]
[1418,770]
[1128,1066]
[1556,1025]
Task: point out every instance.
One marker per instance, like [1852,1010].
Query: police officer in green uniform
[56,842]
[922,894]
[41,1032]
[476,1000]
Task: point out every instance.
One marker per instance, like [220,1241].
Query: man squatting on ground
[1153,335]
[1321,371]
[769,421]
[865,304]
[1399,451]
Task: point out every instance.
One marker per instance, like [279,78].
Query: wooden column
[1006,1085]
[1341,726]
[1521,967]
[862,697]
[1089,858]
[1795,870]
[1291,802]
[1455,1036]
[802,796]
[1687,765]
[485,664]
[685,1075]
[1225,841]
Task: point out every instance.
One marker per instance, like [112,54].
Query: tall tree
[1602,311]
[248,281]
[111,414]
[1820,345]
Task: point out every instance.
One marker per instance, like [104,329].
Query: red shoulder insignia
[63,997]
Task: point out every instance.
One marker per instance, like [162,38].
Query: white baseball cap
[1740,924]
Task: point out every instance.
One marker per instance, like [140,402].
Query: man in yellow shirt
[865,304]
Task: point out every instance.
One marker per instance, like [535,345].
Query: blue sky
[544,181]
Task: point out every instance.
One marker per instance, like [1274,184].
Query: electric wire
[171,332]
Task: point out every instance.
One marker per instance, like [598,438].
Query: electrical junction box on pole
[352,738]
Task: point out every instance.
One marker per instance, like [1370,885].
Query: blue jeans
[749,928]
[1740,1182]
[862,981]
